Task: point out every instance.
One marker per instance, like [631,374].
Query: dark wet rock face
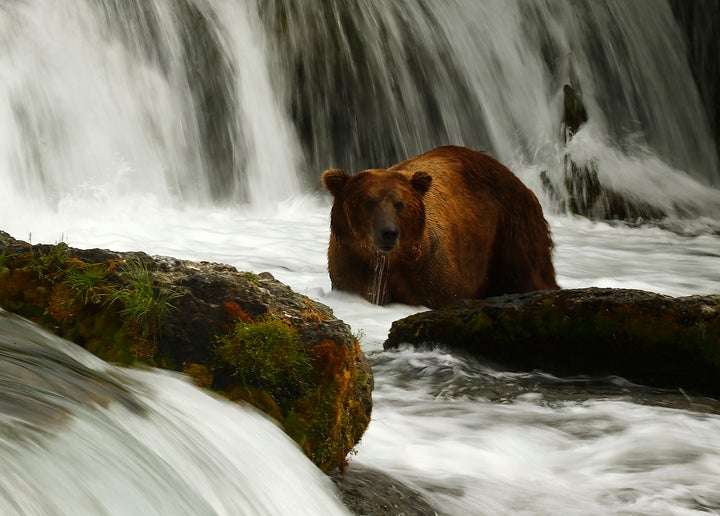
[370,492]
[645,337]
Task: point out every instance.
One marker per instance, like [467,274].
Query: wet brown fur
[468,229]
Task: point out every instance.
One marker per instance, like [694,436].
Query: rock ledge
[648,338]
[244,335]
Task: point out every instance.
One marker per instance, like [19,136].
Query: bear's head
[378,208]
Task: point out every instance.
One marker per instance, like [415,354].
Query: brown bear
[448,225]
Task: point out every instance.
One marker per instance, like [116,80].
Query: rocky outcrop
[645,337]
[247,336]
[368,491]
[580,190]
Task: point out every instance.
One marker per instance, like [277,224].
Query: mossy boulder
[241,334]
[645,337]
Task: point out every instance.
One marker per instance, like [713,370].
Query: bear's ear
[421,182]
[334,180]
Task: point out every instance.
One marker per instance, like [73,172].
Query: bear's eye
[371,203]
[399,205]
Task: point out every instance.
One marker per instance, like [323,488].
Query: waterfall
[377,82]
[78,436]
[168,99]
[700,23]
[232,101]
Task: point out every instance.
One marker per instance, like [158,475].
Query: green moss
[329,419]
[258,398]
[252,278]
[480,323]
[314,393]
[312,424]
[266,354]
[4,261]
[201,374]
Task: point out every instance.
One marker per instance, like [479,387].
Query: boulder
[366,490]
[580,190]
[241,334]
[648,338]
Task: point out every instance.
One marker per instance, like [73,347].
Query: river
[198,129]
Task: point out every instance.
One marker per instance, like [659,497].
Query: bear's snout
[385,231]
[386,238]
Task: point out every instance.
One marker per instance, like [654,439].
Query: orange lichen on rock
[329,420]
[235,312]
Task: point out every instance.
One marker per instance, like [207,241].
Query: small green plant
[359,335]
[144,303]
[88,284]
[266,354]
[701,330]
[48,265]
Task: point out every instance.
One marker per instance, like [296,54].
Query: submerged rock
[247,336]
[580,190]
[648,338]
[371,492]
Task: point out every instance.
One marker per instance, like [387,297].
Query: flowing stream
[199,129]
[81,437]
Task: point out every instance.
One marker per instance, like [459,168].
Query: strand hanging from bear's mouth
[377,293]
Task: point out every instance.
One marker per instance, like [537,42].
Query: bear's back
[474,198]
[456,169]
[470,191]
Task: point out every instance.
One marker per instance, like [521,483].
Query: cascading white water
[106,99]
[375,83]
[83,115]
[197,101]
[78,436]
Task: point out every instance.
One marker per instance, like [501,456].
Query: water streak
[377,293]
